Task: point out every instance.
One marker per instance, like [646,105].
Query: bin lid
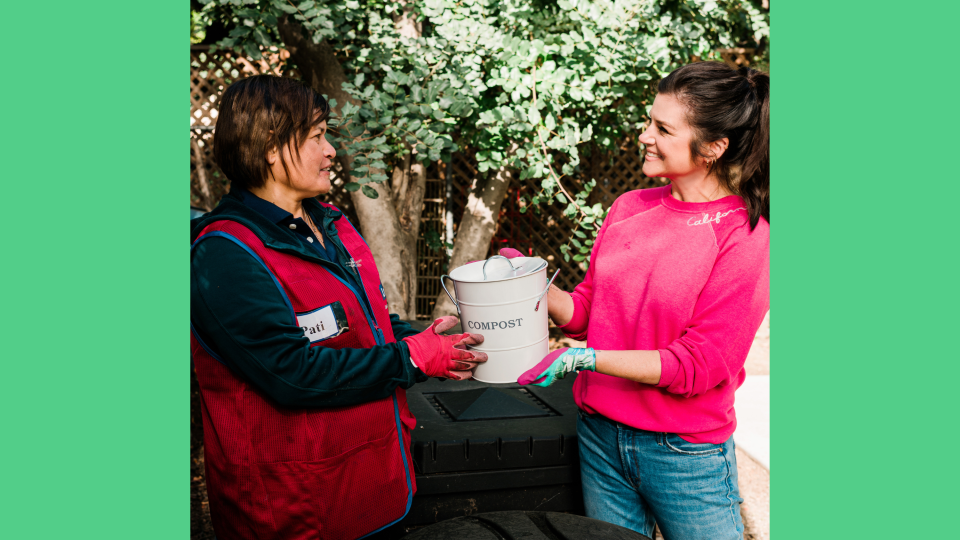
[489,404]
[498,268]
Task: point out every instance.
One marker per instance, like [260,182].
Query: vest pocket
[342,497]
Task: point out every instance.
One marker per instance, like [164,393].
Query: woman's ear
[273,154]
[717,148]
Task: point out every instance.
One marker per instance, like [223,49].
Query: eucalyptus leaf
[550,122]
[533,116]
[529,85]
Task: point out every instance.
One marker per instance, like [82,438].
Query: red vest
[290,474]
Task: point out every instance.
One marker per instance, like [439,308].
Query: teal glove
[557,364]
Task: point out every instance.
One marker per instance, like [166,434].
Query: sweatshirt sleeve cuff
[418,375]
[576,328]
[669,366]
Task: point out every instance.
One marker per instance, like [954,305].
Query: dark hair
[259,113]
[726,102]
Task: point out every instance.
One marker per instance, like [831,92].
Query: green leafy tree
[532,86]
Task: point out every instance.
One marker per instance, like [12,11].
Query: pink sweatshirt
[689,280]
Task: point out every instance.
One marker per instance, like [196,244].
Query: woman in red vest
[301,367]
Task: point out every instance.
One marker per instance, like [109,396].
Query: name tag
[324,323]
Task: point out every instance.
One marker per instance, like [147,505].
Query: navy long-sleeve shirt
[236,309]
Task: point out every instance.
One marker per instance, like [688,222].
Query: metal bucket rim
[540,267]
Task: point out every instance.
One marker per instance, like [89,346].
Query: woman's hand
[558,364]
[638,366]
[559,303]
[445,356]
[510,253]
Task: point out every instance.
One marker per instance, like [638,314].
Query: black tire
[524,526]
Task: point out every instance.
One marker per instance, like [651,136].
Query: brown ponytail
[725,102]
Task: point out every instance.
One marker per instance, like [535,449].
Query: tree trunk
[409,185]
[386,230]
[477,227]
[404,21]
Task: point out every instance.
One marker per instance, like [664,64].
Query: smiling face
[310,176]
[667,141]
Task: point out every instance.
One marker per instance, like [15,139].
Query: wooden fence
[210,74]
[447,184]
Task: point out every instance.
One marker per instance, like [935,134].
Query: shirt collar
[280,216]
[263,207]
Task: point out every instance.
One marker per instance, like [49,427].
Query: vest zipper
[378,335]
[371,320]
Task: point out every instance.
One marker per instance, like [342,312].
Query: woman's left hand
[439,355]
[558,364]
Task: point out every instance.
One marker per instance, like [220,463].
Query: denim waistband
[598,416]
[658,434]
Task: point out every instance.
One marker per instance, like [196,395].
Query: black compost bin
[481,447]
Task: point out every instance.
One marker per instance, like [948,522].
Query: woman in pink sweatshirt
[677,287]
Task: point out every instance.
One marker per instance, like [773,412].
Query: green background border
[94,344]
[96,294]
[864,273]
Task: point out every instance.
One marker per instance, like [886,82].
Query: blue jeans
[634,478]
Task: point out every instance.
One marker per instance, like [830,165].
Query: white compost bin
[505,301]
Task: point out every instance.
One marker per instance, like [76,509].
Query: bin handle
[448,292]
[512,267]
[537,307]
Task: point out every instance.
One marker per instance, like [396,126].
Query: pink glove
[510,253]
[445,356]
[559,364]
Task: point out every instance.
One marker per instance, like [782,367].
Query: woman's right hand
[510,253]
[559,304]
[445,356]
